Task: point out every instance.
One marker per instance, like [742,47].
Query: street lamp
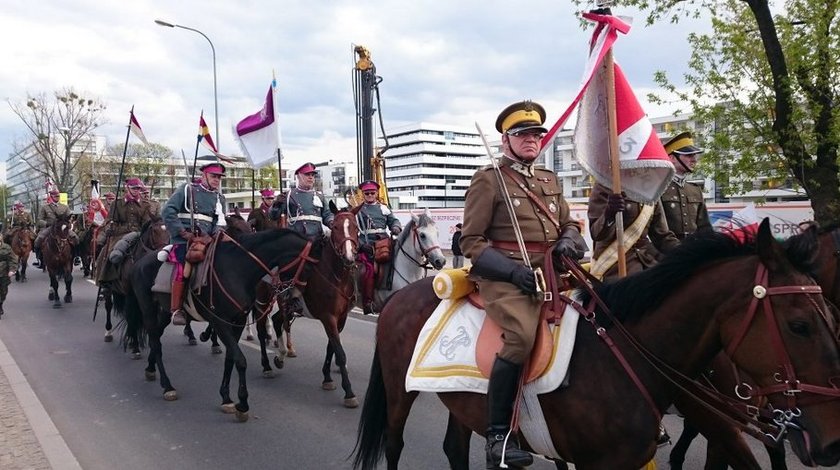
[213,49]
[66,179]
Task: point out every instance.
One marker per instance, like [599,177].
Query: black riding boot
[501,392]
[37,262]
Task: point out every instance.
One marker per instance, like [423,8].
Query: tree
[147,162]
[58,125]
[766,86]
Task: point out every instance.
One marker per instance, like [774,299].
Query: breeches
[517,314]
[4,286]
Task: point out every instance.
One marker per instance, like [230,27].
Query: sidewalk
[28,438]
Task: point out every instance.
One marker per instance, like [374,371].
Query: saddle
[201,249]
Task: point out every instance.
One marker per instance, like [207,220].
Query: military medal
[552,207]
[516,202]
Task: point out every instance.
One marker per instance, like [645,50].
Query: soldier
[193,209]
[125,216]
[375,220]
[20,220]
[8,266]
[109,199]
[258,219]
[685,209]
[304,208]
[508,287]
[154,206]
[47,215]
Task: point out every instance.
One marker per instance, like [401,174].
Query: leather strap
[530,247]
[533,197]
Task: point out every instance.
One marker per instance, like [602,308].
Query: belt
[313,218]
[373,230]
[530,247]
[205,218]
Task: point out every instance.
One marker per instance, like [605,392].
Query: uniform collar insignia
[523,169]
[679,179]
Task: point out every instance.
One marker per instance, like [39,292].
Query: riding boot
[501,393]
[176,303]
[663,437]
[37,262]
[367,293]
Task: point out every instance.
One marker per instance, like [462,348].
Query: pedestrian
[507,286]
[457,254]
[683,203]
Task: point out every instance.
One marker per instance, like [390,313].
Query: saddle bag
[382,250]
[197,249]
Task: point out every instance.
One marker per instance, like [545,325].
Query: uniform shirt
[22,219]
[258,219]
[127,216]
[486,216]
[8,260]
[305,211]
[48,213]
[685,210]
[374,219]
[205,205]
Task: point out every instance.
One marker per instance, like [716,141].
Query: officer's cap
[307,167]
[369,185]
[214,168]
[521,116]
[682,144]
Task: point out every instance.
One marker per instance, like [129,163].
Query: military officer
[47,215]
[201,204]
[8,266]
[375,220]
[508,287]
[304,208]
[20,220]
[685,208]
[258,219]
[154,206]
[126,215]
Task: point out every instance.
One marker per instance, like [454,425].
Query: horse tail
[133,332]
[373,422]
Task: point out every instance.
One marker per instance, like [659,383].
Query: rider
[110,197]
[8,266]
[126,215]
[20,220]
[508,286]
[193,209]
[258,218]
[375,219]
[47,215]
[154,206]
[685,208]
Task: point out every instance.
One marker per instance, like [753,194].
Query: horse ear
[428,213]
[415,219]
[333,207]
[770,251]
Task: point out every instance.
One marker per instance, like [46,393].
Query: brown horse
[710,294]
[22,245]
[57,253]
[329,296]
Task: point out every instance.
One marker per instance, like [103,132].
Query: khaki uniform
[655,240]
[124,217]
[259,220]
[486,221]
[47,215]
[8,263]
[19,221]
[685,210]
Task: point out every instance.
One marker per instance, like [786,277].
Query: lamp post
[215,88]
[66,179]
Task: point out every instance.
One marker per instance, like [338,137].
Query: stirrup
[179,318]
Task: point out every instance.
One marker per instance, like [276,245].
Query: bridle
[423,262]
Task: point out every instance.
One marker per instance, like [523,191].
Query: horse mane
[632,296]
[253,240]
[401,238]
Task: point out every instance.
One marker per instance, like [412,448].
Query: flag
[645,168]
[135,128]
[258,134]
[742,225]
[204,138]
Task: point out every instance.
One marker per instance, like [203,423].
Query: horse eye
[800,328]
[423,236]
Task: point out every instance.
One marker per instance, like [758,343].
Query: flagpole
[195,156]
[280,169]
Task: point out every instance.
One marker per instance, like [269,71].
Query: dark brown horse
[329,296]
[710,294]
[22,245]
[57,253]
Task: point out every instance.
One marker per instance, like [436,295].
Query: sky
[454,62]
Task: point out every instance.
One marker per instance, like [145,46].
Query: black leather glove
[495,266]
[570,245]
[615,204]
[523,278]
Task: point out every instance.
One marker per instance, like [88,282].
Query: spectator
[457,254]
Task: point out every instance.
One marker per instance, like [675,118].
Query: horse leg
[234,356]
[677,456]
[456,444]
[68,287]
[156,359]
[262,336]
[350,400]
[281,350]
[188,332]
[54,291]
[328,383]
[214,341]
[777,457]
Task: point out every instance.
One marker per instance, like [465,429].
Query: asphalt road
[112,418]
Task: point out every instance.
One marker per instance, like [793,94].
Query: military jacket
[22,219]
[486,217]
[48,213]
[206,206]
[655,240]
[259,220]
[305,211]
[8,259]
[154,208]
[374,221]
[128,216]
[685,209]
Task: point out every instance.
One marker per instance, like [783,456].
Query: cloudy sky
[451,62]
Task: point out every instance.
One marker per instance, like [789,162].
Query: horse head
[153,233]
[424,234]
[344,234]
[61,227]
[236,226]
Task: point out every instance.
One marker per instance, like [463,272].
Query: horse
[329,296]
[21,246]
[57,253]
[87,249]
[153,237]
[712,293]
[282,254]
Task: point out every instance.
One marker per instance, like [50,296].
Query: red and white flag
[134,125]
[742,225]
[645,168]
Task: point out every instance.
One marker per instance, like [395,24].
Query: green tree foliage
[150,163]
[765,85]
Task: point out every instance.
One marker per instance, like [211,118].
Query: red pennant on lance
[134,125]
[204,137]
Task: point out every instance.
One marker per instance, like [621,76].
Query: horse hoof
[328,385]
[204,336]
[57,305]
[352,402]
[229,408]
[68,299]
[278,363]
[216,349]
[276,344]
[136,356]
[51,296]
[249,338]
[150,376]
[268,374]
[291,353]
[109,337]
[241,416]
[171,395]
[192,342]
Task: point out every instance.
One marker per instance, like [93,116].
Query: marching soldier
[20,220]
[685,208]
[8,266]
[375,220]
[258,219]
[47,215]
[126,215]
[508,287]
[305,209]
[193,209]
